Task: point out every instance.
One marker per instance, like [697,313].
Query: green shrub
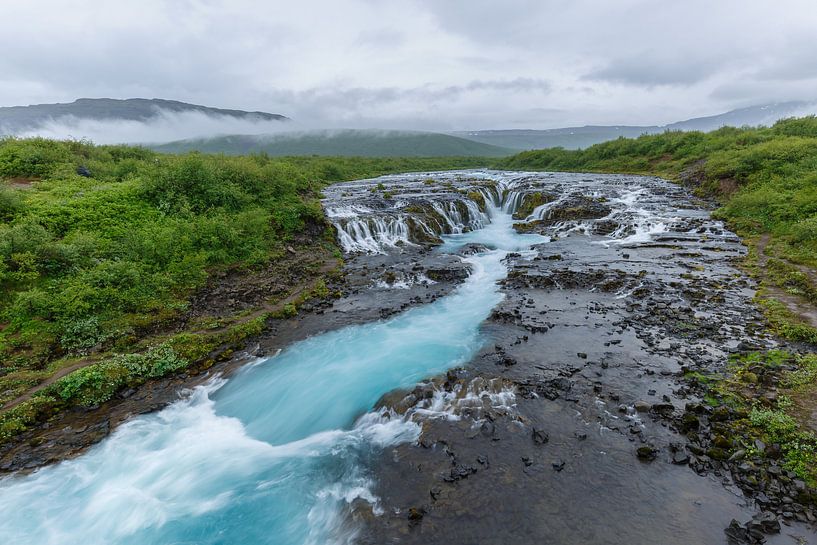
[10,203]
[31,158]
[97,383]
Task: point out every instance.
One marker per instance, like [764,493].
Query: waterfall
[542,212]
[457,222]
[350,211]
[451,215]
[490,195]
[512,201]
[477,219]
[371,234]
[377,233]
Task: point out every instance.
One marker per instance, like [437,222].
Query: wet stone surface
[564,428]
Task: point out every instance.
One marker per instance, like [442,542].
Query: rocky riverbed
[575,423]
[577,417]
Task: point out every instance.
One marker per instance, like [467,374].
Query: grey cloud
[644,70]
[416,64]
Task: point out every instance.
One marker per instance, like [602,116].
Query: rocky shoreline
[356,297]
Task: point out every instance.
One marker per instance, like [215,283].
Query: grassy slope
[343,143]
[102,247]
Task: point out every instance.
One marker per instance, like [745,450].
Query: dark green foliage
[98,243]
[350,143]
[97,383]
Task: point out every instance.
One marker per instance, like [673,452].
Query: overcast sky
[435,64]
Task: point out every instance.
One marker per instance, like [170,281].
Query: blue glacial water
[270,456]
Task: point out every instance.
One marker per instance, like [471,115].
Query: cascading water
[372,234]
[512,201]
[273,454]
[457,222]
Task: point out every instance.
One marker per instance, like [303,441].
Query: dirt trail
[796,304]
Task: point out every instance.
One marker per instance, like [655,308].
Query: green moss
[478,198]
[98,382]
[18,419]
[530,202]
[774,423]
[287,311]
[799,448]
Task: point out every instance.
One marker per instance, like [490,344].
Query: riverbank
[636,297]
[120,266]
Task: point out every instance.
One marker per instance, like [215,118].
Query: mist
[164,127]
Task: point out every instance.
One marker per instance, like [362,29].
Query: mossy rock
[534,226]
[530,202]
[418,235]
[717,453]
[478,198]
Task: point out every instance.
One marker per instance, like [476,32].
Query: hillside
[18,119]
[361,143]
[582,137]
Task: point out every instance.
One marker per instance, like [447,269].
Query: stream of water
[271,455]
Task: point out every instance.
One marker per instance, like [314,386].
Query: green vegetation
[361,143]
[775,419]
[765,179]
[102,247]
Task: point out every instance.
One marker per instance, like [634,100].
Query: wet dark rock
[680,458]
[663,409]
[642,406]
[447,274]
[539,437]
[690,422]
[773,451]
[766,522]
[604,227]
[577,207]
[459,472]
[738,455]
[721,414]
[717,453]
[646,452]
[416,514]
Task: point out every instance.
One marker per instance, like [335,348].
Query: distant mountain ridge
[582,137]
[19,119]
[348,142]
[233,139]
